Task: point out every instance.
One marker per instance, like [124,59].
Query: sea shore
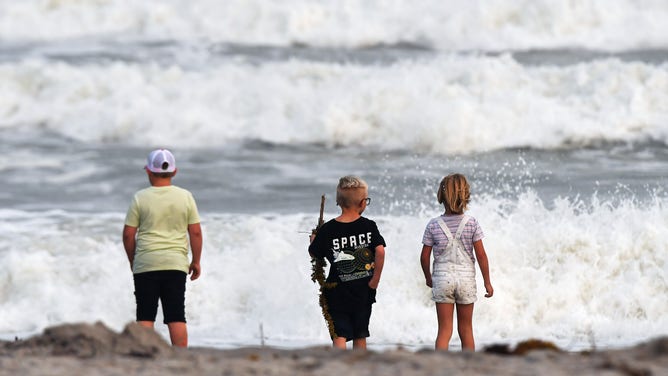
[85,349]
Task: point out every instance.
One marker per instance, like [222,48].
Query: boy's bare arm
[425,258]
[130,242]
[483,263]
[378,269]
[195,235]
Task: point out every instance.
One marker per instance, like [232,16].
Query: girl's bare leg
[465,326]
[444,313]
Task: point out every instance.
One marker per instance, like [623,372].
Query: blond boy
[356,252]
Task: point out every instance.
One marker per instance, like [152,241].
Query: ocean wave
[444,25]
[557,273]
[448,104]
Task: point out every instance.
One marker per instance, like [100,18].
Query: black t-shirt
[350,249]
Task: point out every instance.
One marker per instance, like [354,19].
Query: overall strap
[445,229]
[462,224]
[460,229]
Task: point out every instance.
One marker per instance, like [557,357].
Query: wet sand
[84,349]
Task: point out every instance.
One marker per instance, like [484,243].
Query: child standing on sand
[453,276]
[356,252]
[158,224]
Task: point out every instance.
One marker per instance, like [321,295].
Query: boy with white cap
[158,224]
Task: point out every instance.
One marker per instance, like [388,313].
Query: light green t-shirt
[161,216]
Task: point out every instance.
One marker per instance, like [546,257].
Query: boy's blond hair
[350,191]
[454,193]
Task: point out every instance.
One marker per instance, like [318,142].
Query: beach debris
[522,348]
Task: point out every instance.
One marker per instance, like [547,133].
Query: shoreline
[97,350]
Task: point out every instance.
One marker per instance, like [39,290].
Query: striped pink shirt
[434,236]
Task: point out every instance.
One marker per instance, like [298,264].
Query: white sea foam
[580,274]
[446,104]
[453,24]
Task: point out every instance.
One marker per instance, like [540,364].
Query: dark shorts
[169,286]
[351,325]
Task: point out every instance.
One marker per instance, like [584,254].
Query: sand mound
[85,340]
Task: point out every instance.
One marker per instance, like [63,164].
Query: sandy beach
[84,349]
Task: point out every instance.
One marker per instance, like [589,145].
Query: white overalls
[453,272]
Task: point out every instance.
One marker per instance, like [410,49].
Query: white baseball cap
[161,160]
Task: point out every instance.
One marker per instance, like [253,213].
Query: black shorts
[167,285]
[351,325]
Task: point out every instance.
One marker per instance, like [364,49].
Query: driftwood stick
[319,263]
[321,220]
[318,273]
